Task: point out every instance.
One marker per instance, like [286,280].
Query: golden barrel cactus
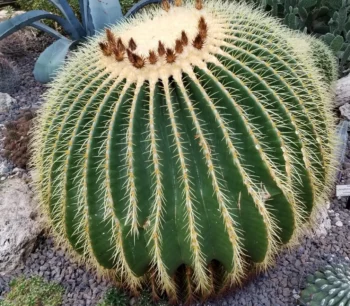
[186,145]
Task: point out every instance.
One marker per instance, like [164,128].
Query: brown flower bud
[170,56]
[199,4]
[118,54]
[161,48]
[136,60]
[120,45]
[106,50]
[130,56]
[178,46]
[165,5]
[111,38]
[152,58]
[198,42]
[132,44]
[203,28]
[184,39]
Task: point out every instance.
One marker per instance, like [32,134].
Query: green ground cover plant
[33,291]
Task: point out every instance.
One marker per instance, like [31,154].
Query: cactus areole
[185,146]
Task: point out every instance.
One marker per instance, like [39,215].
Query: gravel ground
[29,90]
[279,286]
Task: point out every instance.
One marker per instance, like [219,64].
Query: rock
[4,169]
[286,292]
[342,91]
[16,170]
[339,223]
[296,295]
[294,281]
[18,229]
[5,102]
[322,222]
[345,111]
[4,14]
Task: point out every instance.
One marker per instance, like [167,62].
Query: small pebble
[339,223]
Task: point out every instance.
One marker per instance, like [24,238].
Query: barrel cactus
[185,146]
[331,286]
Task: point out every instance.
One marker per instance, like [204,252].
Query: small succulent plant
[329,287]
[115,297]
[9,77]
[95,15]
[17,139]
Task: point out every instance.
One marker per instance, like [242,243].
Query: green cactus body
[194,140]
[331,286]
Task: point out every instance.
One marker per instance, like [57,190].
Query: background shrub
[328,20]
[28,5]
[46,5]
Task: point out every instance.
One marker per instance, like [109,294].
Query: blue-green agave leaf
[101,13]
[68,13]
[83,5]
[18,22]
[43,27]
[139,5]
[51,59]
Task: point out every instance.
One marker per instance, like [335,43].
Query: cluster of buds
[115,47]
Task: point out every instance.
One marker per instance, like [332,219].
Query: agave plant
[95,15]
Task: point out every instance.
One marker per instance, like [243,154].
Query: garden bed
[279,286]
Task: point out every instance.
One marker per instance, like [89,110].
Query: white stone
[3,168]
[20,224]
[321,222]
[16,170]
[4,15]
[6,101]
[339,223]
[345,111]
[295,294]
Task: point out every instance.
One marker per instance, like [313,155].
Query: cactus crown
[158,44]
[185,146]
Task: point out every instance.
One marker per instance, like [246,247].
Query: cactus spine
[190,143]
